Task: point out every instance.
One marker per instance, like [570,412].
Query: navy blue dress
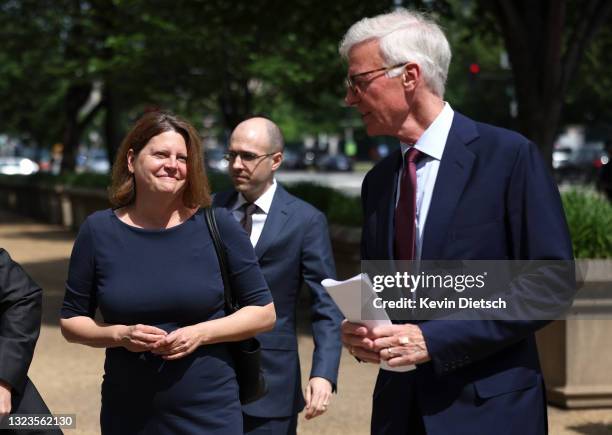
[166,278]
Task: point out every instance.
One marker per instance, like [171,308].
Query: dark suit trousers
[396,391]
[269,426]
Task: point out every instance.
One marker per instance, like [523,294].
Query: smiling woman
[150,267]
[161,166]
[169,146]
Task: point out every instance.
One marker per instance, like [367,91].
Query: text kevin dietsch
[413,282]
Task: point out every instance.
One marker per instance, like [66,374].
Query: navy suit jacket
[294,248]
[20,314]
[493,199]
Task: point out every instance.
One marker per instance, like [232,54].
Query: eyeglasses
[354,85]
[245,156]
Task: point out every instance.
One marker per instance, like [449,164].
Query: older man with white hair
[456,190]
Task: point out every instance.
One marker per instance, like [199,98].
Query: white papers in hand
[355,298]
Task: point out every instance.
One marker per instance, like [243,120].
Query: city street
[346,182]
[69,375]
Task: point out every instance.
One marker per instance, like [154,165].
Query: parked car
[578,165]
[292,160]
[96,162]
[604,178]
[337,162]
[215,160]
[47,163]
[309,159]
[17,166]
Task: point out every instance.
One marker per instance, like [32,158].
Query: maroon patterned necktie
[247,221]
[405,212]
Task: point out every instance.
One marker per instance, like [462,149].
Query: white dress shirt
[431,144]
[264,202]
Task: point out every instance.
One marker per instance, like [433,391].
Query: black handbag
[246,353]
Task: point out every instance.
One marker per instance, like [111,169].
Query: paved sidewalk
[69,376]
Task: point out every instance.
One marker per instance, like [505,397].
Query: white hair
[405,36]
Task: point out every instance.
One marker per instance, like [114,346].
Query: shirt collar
[264,202]
[433,139]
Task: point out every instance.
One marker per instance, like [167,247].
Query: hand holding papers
[355,298]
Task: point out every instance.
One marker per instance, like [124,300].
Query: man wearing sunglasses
[292,243]
[455,190]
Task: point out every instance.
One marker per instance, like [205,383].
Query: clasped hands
[399,345]
[170,346]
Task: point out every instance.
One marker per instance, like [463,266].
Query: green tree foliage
[588,99]
[546,41]
[55,53]
[26,75]
[193,57]
[272,57]
[485,95]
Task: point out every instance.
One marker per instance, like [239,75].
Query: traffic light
[474,73]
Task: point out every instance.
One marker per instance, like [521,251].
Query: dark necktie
[405,212]
[247,221]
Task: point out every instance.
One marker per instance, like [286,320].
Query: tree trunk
[532,31]
[542,64]
[112,129]
[235,103]
[541,127]
[235,98]
[76,96]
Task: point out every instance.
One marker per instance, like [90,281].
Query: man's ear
[411,76]
[277,159]
[130,160]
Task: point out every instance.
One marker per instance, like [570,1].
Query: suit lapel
[453,174]
[225,199]
[386,208]
[276,220]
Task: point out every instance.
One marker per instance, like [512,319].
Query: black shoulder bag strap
[230,304]
[246,353]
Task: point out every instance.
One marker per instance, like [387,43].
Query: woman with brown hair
[150,266]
